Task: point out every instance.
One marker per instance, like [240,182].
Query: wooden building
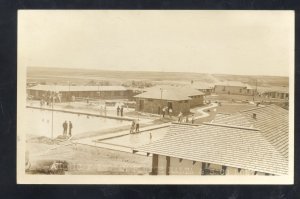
[241,144]
[234,88]
[67,93]
[206,88]
[280,93]
[179,99]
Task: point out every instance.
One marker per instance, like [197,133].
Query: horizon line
[153,71]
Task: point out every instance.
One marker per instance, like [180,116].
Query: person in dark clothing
[70,128]
[137,126]
[121,111]
[65,127]
[118,111]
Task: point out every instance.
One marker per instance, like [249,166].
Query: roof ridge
[231,126]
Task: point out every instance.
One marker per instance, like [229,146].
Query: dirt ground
[87,161]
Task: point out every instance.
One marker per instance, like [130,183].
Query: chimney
[254,116]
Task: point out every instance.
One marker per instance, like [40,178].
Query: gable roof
[172,95]
[176,93]
[232,83]
[202,85]
[220,144]
[272,121]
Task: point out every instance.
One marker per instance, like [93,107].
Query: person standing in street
[132,127]
[137,126]
[193,119]
[180,117]
[65,127]
[70,128]
[121,111]
[118,111]
[170,113]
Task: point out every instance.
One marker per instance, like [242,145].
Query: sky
[216,42]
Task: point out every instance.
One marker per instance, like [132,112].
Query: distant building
[179,99]
[234,88]
[93,92]
[281,93]
[245,143]
[206,88]
[31,84]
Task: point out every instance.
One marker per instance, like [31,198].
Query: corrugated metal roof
[58,88]
[223,145]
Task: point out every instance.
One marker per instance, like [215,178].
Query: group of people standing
[135,127]
[180,118]
[67,126]
[167,110]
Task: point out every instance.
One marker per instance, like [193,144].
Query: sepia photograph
[155,97]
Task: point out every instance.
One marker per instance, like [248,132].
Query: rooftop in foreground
[259,144]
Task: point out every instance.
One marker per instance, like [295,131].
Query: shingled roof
[220,144]
[169,94]
[272,121]
[237,140]
[175,93]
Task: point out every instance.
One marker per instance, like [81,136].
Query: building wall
[235,90]
[196,100]
[162,162]
[184,167]
[175,166]
[154,105]
[276,95]
[236,171]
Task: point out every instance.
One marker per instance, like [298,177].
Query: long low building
[68,92]
[281,93]
[252,142]
[234,88]
[179,99]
